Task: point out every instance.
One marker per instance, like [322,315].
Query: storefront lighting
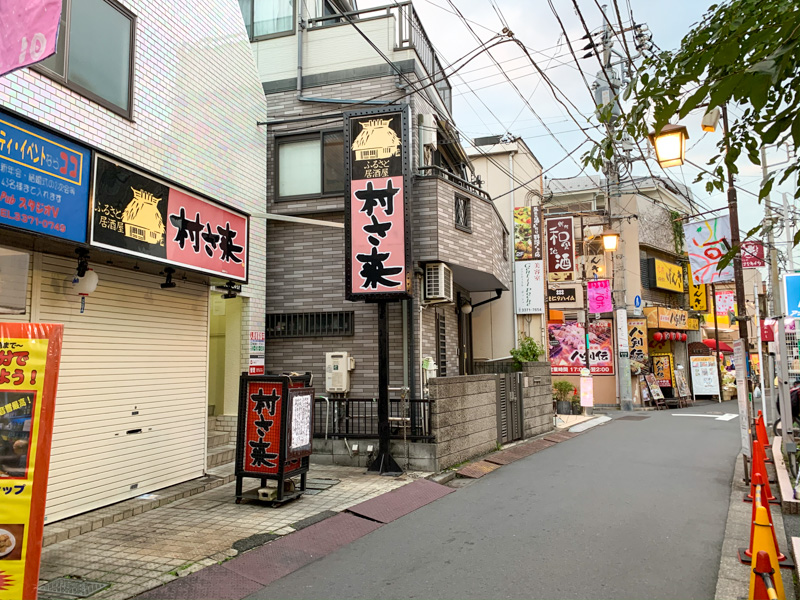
[168,283]
[610,240]
[670,145]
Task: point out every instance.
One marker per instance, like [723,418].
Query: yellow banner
[29,355]
[637,339]
[669,276]
[698,296]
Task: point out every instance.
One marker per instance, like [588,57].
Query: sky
[485,102]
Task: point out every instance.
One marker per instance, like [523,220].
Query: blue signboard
[791,285]
[44,181]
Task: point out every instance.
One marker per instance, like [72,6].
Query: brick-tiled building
[316,62]
[157,103]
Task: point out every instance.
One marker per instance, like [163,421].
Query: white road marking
[725,417]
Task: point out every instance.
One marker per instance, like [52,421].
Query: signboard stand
[274,435]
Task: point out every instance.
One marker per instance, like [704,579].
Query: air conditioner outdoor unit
[438,283]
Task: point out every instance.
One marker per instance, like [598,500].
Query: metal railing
[493,367]
[439,172]
[355,418]
[409,35]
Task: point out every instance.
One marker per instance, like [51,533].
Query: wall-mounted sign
[528,233]
[662,369]
[568,347]
[752,255]
[29,362]
[693,324]
[707,242]
[599,294]
[698,296]
[529,287]
[560,249]
[376,220]
[664,275]
[257,348]
[137,214]
[637,339]
[44,181]
[659,317]
[556,295]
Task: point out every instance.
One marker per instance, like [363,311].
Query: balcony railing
[433,171]
[409,35]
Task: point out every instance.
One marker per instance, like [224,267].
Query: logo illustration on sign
[708,241]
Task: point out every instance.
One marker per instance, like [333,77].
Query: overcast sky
[486,103]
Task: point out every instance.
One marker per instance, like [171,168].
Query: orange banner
[29,362]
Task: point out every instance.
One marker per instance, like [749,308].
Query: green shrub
[528,351]
[562,390]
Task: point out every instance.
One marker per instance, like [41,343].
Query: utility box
[337,371]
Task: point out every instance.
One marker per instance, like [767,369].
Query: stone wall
[463,417]
[537,399]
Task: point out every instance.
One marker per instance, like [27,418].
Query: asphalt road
[631,509]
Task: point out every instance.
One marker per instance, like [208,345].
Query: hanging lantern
[83,286]
[658,336]
[683,337]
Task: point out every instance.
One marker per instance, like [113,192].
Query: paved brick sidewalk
[158,546]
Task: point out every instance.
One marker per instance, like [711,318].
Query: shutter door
[136,349]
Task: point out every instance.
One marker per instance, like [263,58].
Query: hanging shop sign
[556,295]
[568,347]
[529,287]
[377,248]
[660,317]
[662,369]
[698,295]
[29,32]
[528,233]
[142,216]
[708,242]
[599,294]
[665,275]
[594,262]
[693,324]
[704,375]
[637,339]
[560,249]
[752,255]
[44,181]
[29,363]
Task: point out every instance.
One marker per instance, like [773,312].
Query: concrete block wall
[463,417]
[414,456]
[537,399]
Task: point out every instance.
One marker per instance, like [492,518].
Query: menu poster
[683,386]
[652,384]
[704,375]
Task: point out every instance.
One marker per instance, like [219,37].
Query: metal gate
[509,407]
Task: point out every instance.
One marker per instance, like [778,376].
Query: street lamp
[670,145]
[610,240]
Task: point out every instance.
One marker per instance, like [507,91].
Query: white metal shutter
[136,349]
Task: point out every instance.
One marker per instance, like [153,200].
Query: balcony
[474,244]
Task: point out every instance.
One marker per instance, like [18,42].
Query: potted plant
[576,404]
[561,392]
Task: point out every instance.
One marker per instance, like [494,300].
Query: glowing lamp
[670,145]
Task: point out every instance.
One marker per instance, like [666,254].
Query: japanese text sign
[44,181]
[666,276]
[29,362]
[560,249]
[262,435]
[300,412]
[562,295]
[707,242]
[528,233]
[568,348]
[599,293]
[529,287]
[698,296]
[661,317]
[376,216]
[662,369]
[704,375]
[139,215]
[28,32]
[752,255]
[637,339]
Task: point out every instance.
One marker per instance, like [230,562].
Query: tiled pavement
[151,548]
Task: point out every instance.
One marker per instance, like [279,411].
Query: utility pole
[774,276]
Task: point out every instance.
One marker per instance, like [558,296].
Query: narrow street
[632,509]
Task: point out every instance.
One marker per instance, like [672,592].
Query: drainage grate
[631,418]
[63,588]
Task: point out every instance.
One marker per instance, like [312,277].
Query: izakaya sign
[29,362]
[376,221]
[560,249]
[139,215]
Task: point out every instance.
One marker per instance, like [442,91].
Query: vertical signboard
[529,287]
[377,254]
[698,296]
[707,242]
[742,394]
[662,370]
[257,350]
[44,181]
[637,339]
[560,249]
[528,233]
[29,362]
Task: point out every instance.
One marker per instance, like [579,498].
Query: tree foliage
[743,53]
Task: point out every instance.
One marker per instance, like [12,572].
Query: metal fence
[495,366]
[354,418]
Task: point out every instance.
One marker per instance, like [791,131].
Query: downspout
[511,250]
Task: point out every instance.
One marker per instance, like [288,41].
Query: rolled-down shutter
[132,395]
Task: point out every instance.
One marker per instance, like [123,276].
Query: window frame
[466,226]
[64,79]
[270,36]
[304,137]
[310,324]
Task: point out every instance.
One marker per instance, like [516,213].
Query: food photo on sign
[567,348]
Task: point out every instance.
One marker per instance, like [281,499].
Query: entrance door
[225,355]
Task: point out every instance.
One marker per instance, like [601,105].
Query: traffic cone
[758,466]
[761,434]
[762,568]
[759,483]
[762,542]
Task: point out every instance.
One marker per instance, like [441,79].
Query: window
[268,18]
[317,324]
[463,221]
[94,56]
[311,165]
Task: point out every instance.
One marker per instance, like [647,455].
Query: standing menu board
[704,376]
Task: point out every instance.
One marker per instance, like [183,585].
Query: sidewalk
[177,538]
